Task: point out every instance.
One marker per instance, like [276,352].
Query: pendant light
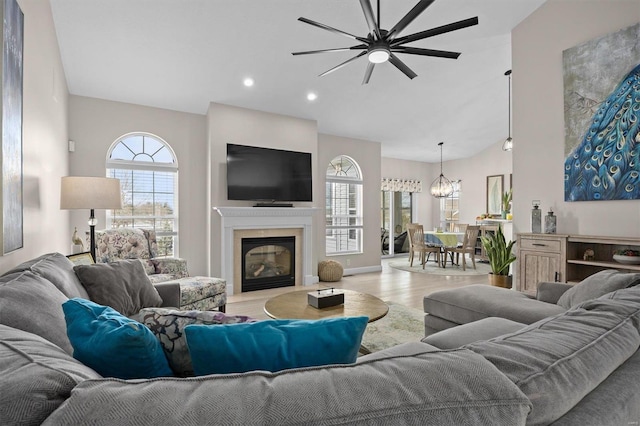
[508,143]
[441,187]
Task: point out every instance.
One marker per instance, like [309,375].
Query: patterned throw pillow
[168,326]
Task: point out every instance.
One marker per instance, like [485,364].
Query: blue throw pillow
[112,344]
[274,345]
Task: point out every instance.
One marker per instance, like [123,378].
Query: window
[148,172]
[449,208]
[343,207]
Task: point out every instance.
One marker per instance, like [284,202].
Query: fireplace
[268,262]
[237,223]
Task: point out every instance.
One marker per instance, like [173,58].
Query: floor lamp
[86,192]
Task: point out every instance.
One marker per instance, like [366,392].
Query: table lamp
[88,192]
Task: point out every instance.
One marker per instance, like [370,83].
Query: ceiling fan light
[379,55]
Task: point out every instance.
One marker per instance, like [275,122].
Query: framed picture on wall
[494,194]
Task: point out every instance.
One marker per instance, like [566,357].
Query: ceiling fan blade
[331,29]
[426,52]
[409,17]
[371,21]
[339,49]
[367,73]
[436,31]
[402,66]
[342,64]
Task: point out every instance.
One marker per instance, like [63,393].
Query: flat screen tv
[268,175]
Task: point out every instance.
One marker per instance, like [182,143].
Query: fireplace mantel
[243,218]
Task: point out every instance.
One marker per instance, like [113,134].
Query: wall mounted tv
[268,175]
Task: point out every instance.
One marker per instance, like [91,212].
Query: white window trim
[148,166]
[348,180]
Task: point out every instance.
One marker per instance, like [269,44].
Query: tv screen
[265,174]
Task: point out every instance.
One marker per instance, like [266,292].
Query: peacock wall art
[606,164]
[602,118]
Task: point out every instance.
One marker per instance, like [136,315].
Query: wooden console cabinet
[578,268]
[556,257]
[540,257]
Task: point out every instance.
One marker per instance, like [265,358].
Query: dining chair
[417,244]
[460,227]
[468,246]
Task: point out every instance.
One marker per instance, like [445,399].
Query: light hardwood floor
[405,288]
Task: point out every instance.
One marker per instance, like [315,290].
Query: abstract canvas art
[12,202]
[602,118]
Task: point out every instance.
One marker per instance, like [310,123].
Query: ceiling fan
[381,45]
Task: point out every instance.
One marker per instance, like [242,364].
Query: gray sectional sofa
[508,380]
[560,348]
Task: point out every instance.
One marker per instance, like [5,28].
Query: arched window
[343,207]
[148,172]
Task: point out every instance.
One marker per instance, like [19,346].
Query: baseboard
[363,270]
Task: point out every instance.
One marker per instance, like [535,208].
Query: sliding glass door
[395,214]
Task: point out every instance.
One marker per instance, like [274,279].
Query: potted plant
[506,200]
[500,256]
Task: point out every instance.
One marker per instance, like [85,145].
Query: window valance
[401,185]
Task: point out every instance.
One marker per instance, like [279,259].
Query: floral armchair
[130,243]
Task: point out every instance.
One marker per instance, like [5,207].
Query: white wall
[538,114]
[473,172]
[94,124]
[229,124]
[367,155]
[44,141]
[415,170]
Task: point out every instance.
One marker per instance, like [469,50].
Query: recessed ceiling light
[248,82]
[312,96]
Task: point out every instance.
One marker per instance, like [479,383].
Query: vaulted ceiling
[183,54]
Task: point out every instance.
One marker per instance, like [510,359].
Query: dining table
[443,239]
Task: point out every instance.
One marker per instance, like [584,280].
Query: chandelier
[508,143]
[441,187]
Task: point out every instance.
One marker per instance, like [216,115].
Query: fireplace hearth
[268,262]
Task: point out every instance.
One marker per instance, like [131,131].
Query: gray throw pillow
[597,285]
[31,303]
[58,269]
[122,285]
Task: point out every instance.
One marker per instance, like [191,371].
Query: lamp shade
[88,192]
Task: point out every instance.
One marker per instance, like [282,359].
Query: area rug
[400,325]
[433,268]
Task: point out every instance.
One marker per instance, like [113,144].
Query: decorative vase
[503,281]
[504,214]
[536,220]
[550,223]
